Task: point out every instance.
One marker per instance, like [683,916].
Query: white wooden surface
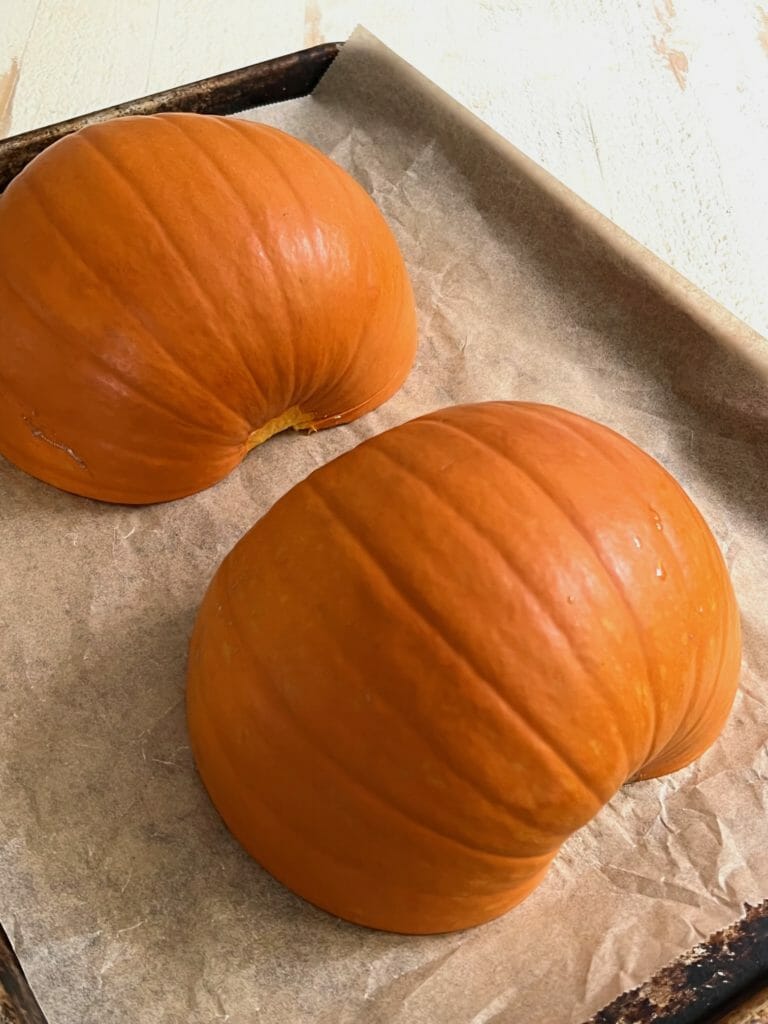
[656,111]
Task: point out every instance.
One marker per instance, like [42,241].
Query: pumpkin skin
[442,653]
[175,289]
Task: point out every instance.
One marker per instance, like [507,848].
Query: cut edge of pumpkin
[297,419]
[294,417]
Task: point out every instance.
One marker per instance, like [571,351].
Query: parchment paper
[124,894]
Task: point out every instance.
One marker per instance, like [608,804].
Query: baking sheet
[123,893]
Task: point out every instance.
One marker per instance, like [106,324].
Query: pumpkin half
[442,653]
[175,289]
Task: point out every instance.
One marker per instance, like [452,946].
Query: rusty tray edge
[17,1003]
[280,78]
[714,981]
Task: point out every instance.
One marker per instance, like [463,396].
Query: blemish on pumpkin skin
[8,83]
[675,59]
[36,432]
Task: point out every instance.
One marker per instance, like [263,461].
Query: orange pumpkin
[175,289]
[442,653]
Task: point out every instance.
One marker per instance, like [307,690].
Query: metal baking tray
[722,980]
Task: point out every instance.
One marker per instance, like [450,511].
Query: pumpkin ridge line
[405,292]
[512,811]
[323,419]
[466,660]
[610,574]
[192,141]
[345,187]
[180,367]
[308,839]
[237,126]
[607,456]
[99,359]
[371,793]
[683,741]
[355,350]
[675,740]
[100,282]
[526,583]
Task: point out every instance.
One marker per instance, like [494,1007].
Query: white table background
[655,111]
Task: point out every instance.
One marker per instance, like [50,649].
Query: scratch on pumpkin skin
[36,432]
[676,60]
[8,83]
[312,14]
[762,32]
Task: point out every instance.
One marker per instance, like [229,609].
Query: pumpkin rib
[334,853]
[605,453]
[607,457]
[350,191]
[413,606]
[615,580]
[356,348]
[683,741]
[234,125]
[403,294]
[354,354]
[101,282]
[208,157]
[192,141]
[130,385]
[314,739]
[651,687]
[320,416]
[716,562]
[417,729]
[344,192]
[526,583]
[629,484]
[597,691]
[322,420]
[378,799]
[173,247]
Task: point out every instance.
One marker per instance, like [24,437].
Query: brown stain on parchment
[675,59]
[762,31]
[312,15]
[8,83]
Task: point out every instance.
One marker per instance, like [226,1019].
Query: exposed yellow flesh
[293,417]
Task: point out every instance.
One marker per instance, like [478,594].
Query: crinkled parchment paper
[124,894]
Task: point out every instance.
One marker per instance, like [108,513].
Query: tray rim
[270,81]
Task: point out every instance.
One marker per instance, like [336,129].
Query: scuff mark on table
[8,83]
[762,32]
[312,31]
[676,60]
